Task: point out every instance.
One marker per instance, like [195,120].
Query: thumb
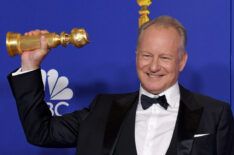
[44,45]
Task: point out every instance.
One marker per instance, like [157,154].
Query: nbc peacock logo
[59,94]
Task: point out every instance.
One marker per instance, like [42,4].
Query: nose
[154,65]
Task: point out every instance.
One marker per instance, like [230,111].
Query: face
[158,59]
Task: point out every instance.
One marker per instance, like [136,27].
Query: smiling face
[158,59]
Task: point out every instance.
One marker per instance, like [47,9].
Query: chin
[153,90]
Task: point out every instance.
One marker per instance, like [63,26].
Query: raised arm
[39,126]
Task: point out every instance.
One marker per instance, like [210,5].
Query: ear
[183,61]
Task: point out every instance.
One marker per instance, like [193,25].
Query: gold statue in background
[16,43]
[144,11]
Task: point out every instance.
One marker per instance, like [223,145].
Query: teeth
[153,75]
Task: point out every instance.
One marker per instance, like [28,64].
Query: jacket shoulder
[202,99]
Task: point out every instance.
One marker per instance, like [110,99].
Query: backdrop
[74,76]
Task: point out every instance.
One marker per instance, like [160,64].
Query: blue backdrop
[107,65]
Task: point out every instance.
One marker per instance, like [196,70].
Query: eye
[146,55]
[165,58]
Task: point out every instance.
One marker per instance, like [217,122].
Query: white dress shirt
[154,126]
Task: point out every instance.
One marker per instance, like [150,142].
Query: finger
[44,46]
[36,32]
[30,33]
[44,31]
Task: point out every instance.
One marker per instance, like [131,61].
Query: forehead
[159,38]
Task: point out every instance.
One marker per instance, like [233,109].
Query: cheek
[141,64]
[167,65]
[170,67]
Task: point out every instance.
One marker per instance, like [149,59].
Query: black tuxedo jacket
[107,126]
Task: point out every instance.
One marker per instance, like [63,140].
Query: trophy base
[12,40]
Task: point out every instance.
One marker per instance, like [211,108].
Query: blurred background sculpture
[144,11]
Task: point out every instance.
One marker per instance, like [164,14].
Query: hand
[31,60]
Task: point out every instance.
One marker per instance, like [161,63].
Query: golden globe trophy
[144,11]
[17,43]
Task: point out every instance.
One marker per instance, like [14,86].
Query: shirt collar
[172,95]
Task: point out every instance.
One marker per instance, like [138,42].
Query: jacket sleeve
[225,132]
[39,126]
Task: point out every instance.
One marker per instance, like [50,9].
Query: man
[161,118]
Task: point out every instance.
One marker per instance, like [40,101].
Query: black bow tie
[146,101]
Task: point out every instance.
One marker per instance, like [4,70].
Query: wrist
[28,68]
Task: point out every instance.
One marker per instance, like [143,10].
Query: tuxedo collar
[188,99]
[190,112]
[117,113]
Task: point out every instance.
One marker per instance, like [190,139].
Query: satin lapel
[116,116]
[188,120]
